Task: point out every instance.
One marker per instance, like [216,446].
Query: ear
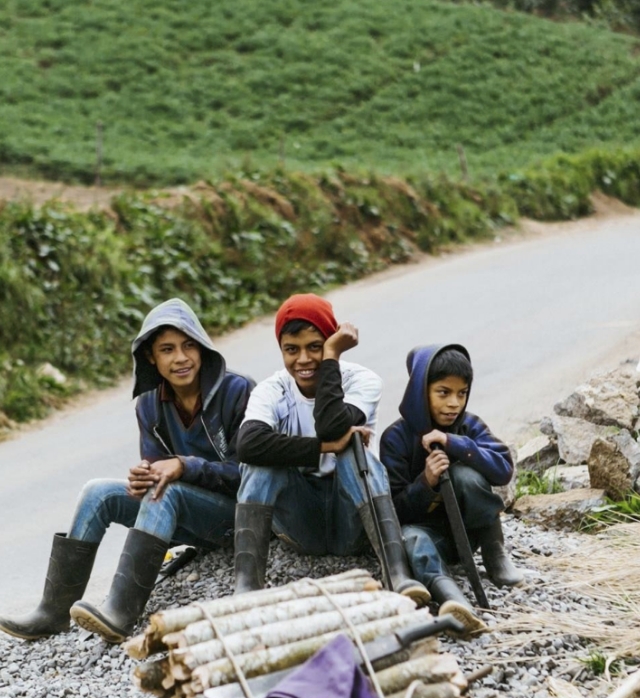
[149,357]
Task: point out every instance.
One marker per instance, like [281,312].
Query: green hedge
[75,286]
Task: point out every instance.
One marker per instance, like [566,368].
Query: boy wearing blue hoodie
[189,411]
[434,434]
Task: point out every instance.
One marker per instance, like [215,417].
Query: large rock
[609,398]
[562,510]
[538,455]
[610,470]
[576,436]
[568,477]
[630,449]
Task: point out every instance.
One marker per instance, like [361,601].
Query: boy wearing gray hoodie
[183,490]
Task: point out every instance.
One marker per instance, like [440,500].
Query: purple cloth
[332,672]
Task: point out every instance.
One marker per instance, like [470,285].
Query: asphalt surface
[538,315]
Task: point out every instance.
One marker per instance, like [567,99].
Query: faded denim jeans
[316,515]
[430,546]
[184,514]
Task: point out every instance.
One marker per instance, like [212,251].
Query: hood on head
[174,313]
[414,406]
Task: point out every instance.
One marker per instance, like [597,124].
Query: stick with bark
[184,661]
[265,661]
[201,631]
[173,620]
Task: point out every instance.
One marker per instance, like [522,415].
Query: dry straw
[604,567]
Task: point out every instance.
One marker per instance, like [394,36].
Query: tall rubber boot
[393,543]
[70,565]
[448,595]
[132,584]
[499,567]
[252,536]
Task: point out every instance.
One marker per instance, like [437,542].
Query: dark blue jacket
[224,400]
[469,441]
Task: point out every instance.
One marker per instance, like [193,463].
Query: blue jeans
[317,516]
[430,546]
[184,514]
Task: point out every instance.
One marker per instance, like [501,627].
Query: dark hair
[294,327]
[450,362]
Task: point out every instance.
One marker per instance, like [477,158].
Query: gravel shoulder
[74,664]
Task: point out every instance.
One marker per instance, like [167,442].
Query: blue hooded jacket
[469,441]
[224,400]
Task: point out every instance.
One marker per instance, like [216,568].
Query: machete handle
[358,451]
[444,477]
[438,625]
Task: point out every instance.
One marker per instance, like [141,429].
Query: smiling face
[302,354]
[178,360]
[447,399]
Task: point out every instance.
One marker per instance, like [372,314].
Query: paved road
[537,315]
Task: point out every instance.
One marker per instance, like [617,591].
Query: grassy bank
[190,91]
[74,286]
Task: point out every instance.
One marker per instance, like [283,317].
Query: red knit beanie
[307,306]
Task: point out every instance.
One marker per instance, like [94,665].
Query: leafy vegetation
[529,482]
[620,15]
[74,286]
[598,663]
[195,90]
[611,513]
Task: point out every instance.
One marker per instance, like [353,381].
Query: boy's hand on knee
[345,338]
[342,443]
[166,471]
[140,479]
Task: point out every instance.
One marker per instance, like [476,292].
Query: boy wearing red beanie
[298,472]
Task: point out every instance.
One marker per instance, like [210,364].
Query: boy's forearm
[491,458]
[333,416]
[259,444]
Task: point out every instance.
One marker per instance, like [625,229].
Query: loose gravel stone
[79,664]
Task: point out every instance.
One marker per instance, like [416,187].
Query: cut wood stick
[628,688]
[149,676]
[176,619]
[265,661]
[201,631]
[288,631]
[418,689]
[429,669]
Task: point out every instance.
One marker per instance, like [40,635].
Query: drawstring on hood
[177,314]
[414,406]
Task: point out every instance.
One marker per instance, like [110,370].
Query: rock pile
[589,449]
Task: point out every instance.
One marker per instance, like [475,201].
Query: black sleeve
[333,416]
[259,444]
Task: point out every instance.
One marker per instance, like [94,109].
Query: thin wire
[356,637]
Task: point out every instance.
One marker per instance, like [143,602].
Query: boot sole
[88,619]
[417,593]
[473,625]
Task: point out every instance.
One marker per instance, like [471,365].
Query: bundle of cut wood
[206,645]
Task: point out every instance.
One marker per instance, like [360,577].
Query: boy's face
[177,358]
[302,354]
[447,399]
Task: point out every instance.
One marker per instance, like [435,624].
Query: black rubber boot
[132,584]
[252,535]
[500,569]
[448,595]
[393,543]
[70,566]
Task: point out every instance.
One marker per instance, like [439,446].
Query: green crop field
[193,90]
